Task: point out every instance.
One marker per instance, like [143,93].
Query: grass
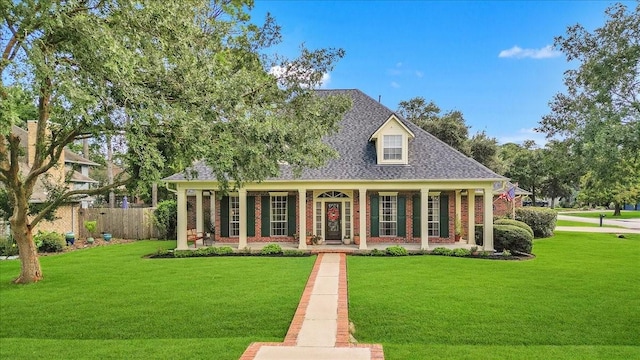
[110,303]
[624,214]
[578,299]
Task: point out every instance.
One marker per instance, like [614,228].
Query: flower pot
[70,238]
[90,240]
[346,241]
[106,237]
[356,239]
[309,239]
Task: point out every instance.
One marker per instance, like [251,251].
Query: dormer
[392,142]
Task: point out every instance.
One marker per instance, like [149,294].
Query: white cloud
[301,74]
[520,53]
[419,74]
[399,64]
[522,135]
[395,84]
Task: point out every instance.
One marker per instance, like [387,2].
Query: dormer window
[392,147]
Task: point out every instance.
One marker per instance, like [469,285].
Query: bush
[166,218]
[8,247]
[49,242]
[442,251]
[293,253]
[397,251]
[517,223]
[271,249]
[460,252]
[541,220]
[512,238]
[376,252]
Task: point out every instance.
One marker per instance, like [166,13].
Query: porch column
[424,219]
[458,219]
[302,215]
[242,197]
[199,218]
[471,212]
[488,218]
[212,212]
[182,219]
[362,198]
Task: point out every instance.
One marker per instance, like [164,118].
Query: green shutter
[402,216]
[444,216]
[266,217]
[224,216]
[251,216]
[375,213]
[416,216]
[291,214]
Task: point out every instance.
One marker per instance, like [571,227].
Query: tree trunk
[616,211]
[112,195]
[30,270]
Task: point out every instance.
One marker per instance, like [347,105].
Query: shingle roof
[429,157]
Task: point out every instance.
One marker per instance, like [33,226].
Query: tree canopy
[600,110]
[179,81]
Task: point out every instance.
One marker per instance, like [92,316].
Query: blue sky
[488,59]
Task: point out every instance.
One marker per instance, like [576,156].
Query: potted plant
[309,237]
[70,238]
[356,238]
[347,240]
[458,229]
[316,240]
[91,228]
[106,236]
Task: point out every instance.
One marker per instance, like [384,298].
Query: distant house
[392,183]
[67,214]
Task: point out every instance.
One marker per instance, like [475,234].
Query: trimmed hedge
[541,220]
[512,238]
[517,223]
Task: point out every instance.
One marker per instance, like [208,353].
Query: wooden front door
[333,221]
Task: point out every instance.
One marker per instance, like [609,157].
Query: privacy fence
[131,223]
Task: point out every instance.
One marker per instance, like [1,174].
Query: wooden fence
[131,223]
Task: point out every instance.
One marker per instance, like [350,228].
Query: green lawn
[578,299]
[624,214]
[110,303]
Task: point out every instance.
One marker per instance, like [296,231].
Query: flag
[510,194]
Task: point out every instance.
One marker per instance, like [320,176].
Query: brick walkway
[320,326]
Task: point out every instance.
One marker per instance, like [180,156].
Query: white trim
[393,117]
[278,193]
[342,200]
[388,193]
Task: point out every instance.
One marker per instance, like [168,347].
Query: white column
[471,213]
[199,218]
[488,218]
[242,240]
[424,219]
[362,198]
[212,211]
[302,221]
[182,219]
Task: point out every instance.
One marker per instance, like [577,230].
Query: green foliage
[294,253]
[8,247]
[166,218]
[271,249]
[460,252]
[514,223]
[442,251]
[541,220]
[377,252]
[524,163]
[506,253]
[397,251]
[49,241]
[91,226]
[513,238]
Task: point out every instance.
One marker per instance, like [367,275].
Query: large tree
[600,110]
[524,164]
[180,81]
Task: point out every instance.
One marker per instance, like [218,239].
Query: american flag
[510,194]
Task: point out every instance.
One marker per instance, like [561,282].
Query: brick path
[320,326]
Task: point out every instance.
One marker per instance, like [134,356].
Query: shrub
[271,249]
[49,241]
[8,247]
[479,233]
[541,220]
[223,250]
[376,252]
[460,252]
[293,253]
[517,223]
[512,238]
[166,218]
[397,251]
[442,251]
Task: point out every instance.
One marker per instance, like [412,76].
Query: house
[502,206]
[392,183]
[72,169]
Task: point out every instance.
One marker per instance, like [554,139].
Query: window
[434,216]
[234,216]
[388,215]
[318,218]
[279,215]
[392,147]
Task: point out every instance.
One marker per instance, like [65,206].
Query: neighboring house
[392,183]
[67,214]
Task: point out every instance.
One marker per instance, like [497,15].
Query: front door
[333,221]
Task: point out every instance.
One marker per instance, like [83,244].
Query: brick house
[392,183]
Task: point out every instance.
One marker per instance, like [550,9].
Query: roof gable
[392,119]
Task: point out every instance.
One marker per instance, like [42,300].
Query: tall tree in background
[562,170]
[524,163]
[484,150]
[183,81]
[600,110]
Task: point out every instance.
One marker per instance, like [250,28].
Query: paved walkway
[320,326]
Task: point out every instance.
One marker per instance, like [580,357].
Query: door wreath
[333,214]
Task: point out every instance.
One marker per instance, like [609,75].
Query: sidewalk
[320,326]
[626,226]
